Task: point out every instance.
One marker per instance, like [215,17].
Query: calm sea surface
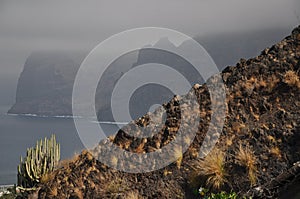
[17,133]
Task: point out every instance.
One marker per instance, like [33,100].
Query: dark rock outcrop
[45,85]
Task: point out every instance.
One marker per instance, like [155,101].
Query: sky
[27,26]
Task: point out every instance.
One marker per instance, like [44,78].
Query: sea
[19,132]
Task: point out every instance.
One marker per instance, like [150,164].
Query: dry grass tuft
[133,195]
[275,151]
[292,79]
[245,157]
[78,193]
[229,140]
[270,84]
[167,172]
[237,127]
[271,138]
[212,167]
[177,153]
[47,177]
[52,192]
[250,84]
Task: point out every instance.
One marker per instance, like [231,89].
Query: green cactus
[38,162]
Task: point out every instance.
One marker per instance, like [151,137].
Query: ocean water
[17,133]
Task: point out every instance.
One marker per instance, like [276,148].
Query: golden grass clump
[167,172]
[237,127]
[249,84]
[212,167]
[52,192]
[275,151]
[177,153]
[270,83]
[292,79]
[78,193]
[246,157]
[229,140]
[132,195]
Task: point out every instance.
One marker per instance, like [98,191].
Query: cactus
[38,161]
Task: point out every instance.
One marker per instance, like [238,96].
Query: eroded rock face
[262,113]
[45,85]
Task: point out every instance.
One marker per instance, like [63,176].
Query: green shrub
[205,194]
[223,195]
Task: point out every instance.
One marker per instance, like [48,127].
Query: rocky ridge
[262,119]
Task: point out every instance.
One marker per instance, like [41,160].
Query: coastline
[91,119]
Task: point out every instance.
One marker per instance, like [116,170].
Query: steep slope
[263,100]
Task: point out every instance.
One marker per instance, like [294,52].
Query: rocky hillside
[255,155]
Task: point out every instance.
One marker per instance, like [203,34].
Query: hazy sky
[27,26]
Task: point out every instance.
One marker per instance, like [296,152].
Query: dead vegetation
[245,157]
[133,195]
[178,156]
[212,167]
[292,79]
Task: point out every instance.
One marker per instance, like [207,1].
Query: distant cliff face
[45,85]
